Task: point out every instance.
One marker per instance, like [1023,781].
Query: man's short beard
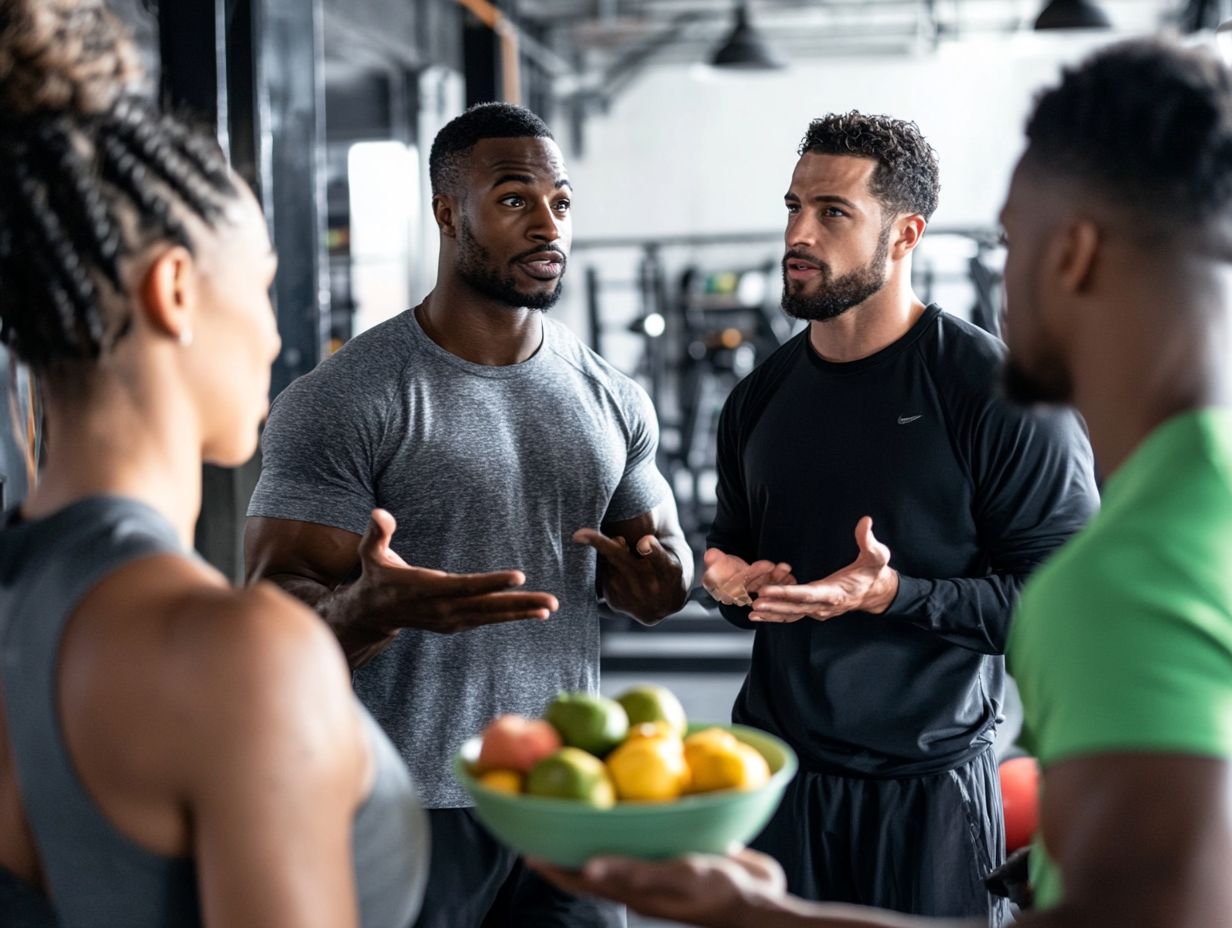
[1049,386]
[837,295]
[476,267]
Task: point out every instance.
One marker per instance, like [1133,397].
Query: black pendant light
[744,48]
[1072,14]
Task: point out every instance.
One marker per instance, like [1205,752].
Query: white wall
[676,153]
[685,151]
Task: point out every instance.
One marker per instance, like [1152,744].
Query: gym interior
[679,123]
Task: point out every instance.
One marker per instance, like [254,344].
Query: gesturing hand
[731,580]
[701,889]
[868,584]
[646,583]
[391,594]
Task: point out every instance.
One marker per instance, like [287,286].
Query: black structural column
[252,70]
[480,62]
[291,93]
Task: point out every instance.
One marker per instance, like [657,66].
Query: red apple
[512,742]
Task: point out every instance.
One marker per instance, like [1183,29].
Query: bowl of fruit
[629,776]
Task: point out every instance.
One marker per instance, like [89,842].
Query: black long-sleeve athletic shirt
[969,493]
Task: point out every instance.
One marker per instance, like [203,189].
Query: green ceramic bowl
[569,833]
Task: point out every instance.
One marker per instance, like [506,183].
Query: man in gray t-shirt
[519,469]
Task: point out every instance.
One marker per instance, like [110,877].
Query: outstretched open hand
[700,889]
[868,584]
[396,594]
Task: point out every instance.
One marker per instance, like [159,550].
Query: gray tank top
[97,876]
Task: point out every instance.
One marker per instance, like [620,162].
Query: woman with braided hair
[172,751]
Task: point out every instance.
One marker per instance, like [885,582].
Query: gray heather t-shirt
[485,468]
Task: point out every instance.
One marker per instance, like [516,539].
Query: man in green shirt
[1119,276]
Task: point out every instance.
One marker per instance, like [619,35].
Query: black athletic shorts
[920,845]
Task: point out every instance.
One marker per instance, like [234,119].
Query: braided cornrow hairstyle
[91,173]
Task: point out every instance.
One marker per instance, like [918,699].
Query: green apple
[593,723]
[648,702]
[571,773]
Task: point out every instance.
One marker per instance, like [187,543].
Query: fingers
[447,616]
[649,546]
[629,880]
[762,867]
[870,548]
[784,619]
[782,576]
[738,588]
[571,881]
[374,545]
[433,584]
[480,619]
[605,877]
[726,579]
[610,548]
[515,601]
[819,593]
[719,566]
[762,574]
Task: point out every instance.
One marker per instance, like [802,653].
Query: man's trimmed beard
[838,294]
[476,267]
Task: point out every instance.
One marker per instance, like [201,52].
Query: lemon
[705,739]
[716,766]
[649,770]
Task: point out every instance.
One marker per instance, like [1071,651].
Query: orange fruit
[716,766]
[649,770]
[705,739]
[654,731]
[504,781]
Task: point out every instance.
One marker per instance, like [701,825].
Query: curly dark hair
[482,121]
[907,178]
[1146,124]
[90,173]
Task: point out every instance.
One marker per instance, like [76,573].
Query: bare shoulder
[253,639]
[215,652]
[179,692]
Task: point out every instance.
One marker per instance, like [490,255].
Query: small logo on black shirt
[903,420]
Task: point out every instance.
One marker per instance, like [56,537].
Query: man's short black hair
[907,178]
[482,121]
[1145,124]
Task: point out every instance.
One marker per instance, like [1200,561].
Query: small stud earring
[186,337]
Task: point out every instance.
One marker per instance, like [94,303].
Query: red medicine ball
[1020,799]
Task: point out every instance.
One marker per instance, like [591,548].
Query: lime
[593,723]
[571,773]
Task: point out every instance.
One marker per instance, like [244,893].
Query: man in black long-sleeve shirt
[879,657]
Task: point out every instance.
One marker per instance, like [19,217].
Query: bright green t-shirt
[1123,641]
